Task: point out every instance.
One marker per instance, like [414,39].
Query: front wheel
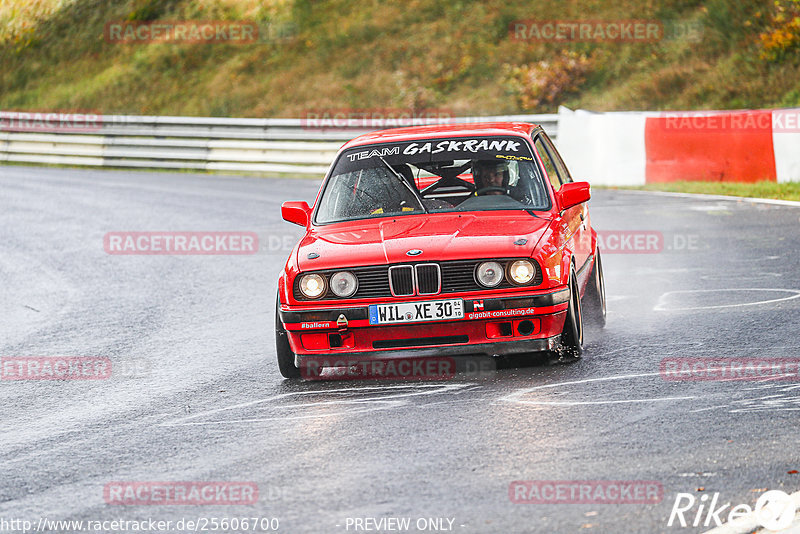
[595,298]
[285,355]
[572,334]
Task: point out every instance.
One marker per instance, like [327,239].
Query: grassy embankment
[415,55]
[785,191]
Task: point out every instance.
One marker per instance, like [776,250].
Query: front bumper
[501,348]
[491,326]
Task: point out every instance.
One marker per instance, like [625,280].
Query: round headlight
[521,272]
[490,273]
[344,284]
[312,285]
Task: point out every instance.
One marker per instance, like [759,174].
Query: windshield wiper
[405,183]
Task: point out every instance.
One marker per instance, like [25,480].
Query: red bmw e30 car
[441,241]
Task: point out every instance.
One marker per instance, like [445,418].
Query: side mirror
[573,194]
[296,212]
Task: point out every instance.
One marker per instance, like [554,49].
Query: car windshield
[434,176]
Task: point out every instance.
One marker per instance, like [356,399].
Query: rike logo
[774,510]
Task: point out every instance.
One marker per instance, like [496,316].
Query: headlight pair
[519,272]
[343,284]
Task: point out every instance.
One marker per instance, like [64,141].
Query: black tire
[284,351]
[572,335]
[594,300]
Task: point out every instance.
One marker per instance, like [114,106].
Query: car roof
[443,130]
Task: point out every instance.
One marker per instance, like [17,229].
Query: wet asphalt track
[200,398]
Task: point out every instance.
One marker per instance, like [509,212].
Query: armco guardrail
[269,146]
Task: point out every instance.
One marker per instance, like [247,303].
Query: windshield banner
[434,150]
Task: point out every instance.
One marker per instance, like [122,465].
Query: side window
[562,169]
[549,165]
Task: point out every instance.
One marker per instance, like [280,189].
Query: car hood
[439,236]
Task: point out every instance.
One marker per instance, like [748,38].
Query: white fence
[636,148]
[267,146]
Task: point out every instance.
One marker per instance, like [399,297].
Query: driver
[491,177]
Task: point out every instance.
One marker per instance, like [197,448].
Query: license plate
[416,312]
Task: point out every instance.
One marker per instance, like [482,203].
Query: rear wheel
[572,334]
[594,300]
[284,351]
